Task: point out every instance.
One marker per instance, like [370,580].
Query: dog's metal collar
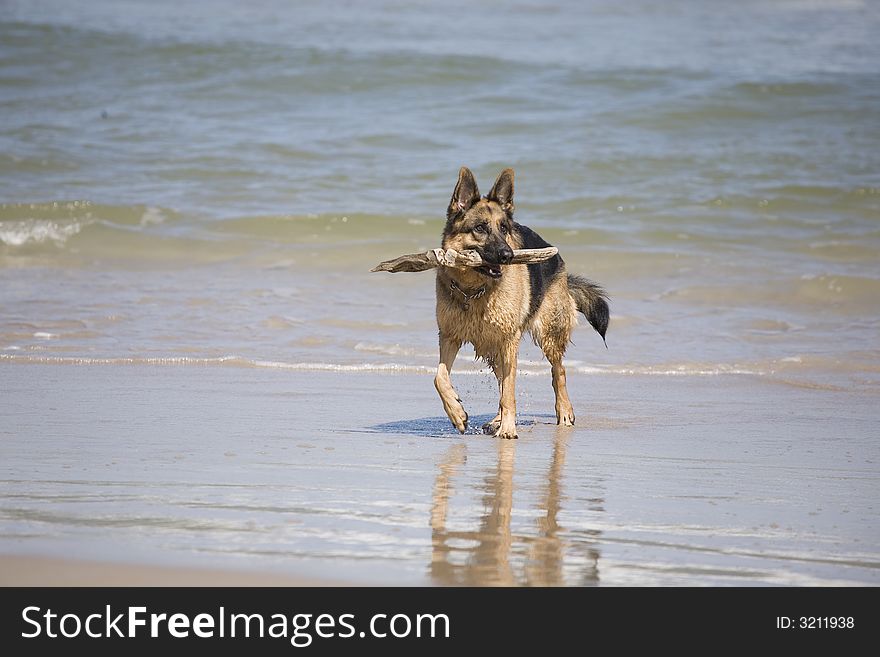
[467,297]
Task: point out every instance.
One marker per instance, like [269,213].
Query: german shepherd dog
[491,306]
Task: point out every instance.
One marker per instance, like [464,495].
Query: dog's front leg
[451,402]
[507,365]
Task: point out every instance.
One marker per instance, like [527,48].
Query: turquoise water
[209,182]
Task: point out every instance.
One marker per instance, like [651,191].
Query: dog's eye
[482,229]
[505,229]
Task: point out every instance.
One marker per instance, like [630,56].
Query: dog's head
[482,224]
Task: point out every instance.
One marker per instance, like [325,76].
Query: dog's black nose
[505,255]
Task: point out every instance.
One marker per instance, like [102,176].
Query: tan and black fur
[493,305]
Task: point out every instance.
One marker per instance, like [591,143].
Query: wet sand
[357,478]
[47,571]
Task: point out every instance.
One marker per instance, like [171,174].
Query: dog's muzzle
[494,259]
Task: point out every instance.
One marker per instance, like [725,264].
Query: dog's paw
[508,433]
[457,415]
[565,417]
[491,427]
[566,420]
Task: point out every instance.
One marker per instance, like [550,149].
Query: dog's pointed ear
[502,191]
[465,195]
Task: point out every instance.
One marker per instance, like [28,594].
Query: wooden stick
[452,258]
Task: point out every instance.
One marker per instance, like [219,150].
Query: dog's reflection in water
[491,555]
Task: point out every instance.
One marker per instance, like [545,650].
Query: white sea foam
[526,369]
[152,216]
[18,233]
[235,361]
[337,367]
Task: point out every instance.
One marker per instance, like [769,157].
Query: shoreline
[311,478]
[41,571]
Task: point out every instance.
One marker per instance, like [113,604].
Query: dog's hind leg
[451,401]
[564,411]
[552,336]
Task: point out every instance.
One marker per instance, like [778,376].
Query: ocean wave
[104,228]
[55,222]
[65,232]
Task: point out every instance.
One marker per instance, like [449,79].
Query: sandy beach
[16,570]
[202,382]
[355,478]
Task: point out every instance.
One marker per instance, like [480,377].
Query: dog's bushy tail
[591,300]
